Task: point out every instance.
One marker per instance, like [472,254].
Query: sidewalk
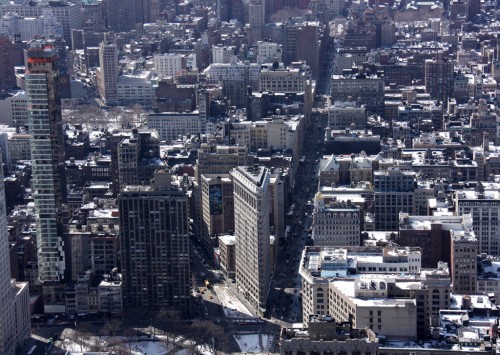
[234,290]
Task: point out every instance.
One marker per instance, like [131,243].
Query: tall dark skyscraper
[14,296]
[120,14]
[155,245]
[47,156]
[63,66]
[7,77]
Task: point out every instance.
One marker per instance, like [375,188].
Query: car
[211,297]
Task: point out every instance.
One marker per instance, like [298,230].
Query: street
[285,302]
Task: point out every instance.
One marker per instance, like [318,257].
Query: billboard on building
[215,198]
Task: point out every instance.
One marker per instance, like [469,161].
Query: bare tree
[129,334]
[70,115]
[127,119]
[114,114]
[137,111]
[82,334]
[111,326]
[90,115]
[209,333]
[169,321]
[97,345]
[191,346]
[114,342]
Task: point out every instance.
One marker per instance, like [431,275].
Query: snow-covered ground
[177,346]
[254,343]
[233,308]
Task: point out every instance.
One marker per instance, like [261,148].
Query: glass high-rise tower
[47,155]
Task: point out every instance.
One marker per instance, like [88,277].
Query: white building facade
[252,209]
[172,125]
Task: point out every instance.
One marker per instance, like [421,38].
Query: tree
[111,326]
[126,119]
[114,114]
[169,321]
[70,115]
[82,334]
[97,345]
[137,111]
[90,115]
[129,333]
[191,345]
[209,333]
